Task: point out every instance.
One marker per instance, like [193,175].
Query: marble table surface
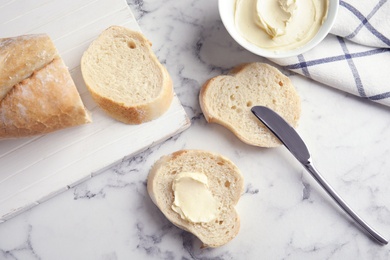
[284,213]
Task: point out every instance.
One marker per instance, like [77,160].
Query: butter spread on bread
[227,100]
[224,181]
[37,93]
[193,198]
[125,77]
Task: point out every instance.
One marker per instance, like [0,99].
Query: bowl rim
[226,13]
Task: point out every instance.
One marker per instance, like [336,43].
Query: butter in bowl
[278,29]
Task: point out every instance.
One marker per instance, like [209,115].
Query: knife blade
[284,132]
[294,143]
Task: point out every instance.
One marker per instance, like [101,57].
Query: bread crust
[278,94]
[217,232]
[126,111]
[45,102]
[44,98]
[21,56]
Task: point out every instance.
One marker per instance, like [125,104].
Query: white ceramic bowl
[226,11]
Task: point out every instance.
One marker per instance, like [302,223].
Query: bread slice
[125,77]
[45,98]
[227,100]
[225,182]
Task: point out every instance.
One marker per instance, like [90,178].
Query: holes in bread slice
[234,107]
[220,222]
[131,45]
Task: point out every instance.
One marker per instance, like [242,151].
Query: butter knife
[293,142]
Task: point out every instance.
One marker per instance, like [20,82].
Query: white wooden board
[34,169]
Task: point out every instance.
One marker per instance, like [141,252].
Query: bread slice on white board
[227,100]
[125,77]
[224,181]
[37,93]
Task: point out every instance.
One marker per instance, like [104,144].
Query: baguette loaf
[228,99]
[38,94]
[224,181]
[21,56]
[125,77]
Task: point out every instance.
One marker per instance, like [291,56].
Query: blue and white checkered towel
[355,57]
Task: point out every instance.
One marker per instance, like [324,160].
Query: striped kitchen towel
[355,56]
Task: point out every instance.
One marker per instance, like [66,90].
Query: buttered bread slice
[228,99]
[125,77]
[197,191]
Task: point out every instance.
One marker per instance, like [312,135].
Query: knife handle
[324,184]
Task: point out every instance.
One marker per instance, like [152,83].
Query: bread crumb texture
[125,77]
[224,180]
[228,99]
